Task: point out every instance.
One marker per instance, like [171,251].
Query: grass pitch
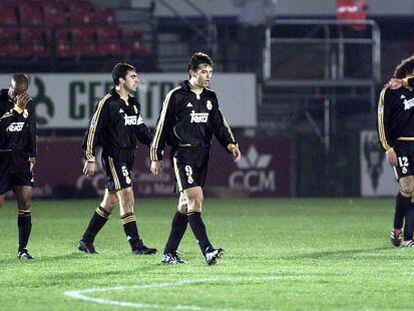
[293,254]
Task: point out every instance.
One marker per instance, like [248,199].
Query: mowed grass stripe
[289,254]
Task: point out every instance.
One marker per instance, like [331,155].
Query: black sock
[98,220]
[24,223]
[178,227]
[409,223]
[129,223]
[402,205]
[199,230]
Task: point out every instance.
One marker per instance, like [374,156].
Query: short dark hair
[120,71]
[405,68]
[21,82]
[198,59]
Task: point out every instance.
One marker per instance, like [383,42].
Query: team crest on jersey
[135,109]
[25,113]
[209,105]
[408,104]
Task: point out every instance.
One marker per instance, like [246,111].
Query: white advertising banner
[377,176]
[67,100]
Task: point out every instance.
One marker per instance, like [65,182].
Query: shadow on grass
[341,254]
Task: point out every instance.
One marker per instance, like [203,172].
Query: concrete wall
[309,8]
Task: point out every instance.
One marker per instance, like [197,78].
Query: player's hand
[22,100]
[394,83]
[32,161]
[89,168]
[156,167]
[391,157]
[236,154]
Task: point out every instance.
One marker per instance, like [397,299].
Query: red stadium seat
[64,42]
[9,38]
[81,14]
[54,15]
[9,35]
[9,49]
[108,42]
[132,42]
[32,42]
[30,15]
[103,15]
[84,39]
[8,16]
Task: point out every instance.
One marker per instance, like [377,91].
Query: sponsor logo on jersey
[408,104]
[198,117]
[15,127]
[133,120]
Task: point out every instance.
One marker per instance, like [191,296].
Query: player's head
[125,76]
[405,68]
[200,68]
[18,84]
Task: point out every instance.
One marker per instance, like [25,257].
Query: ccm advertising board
[68,100]
[377,176]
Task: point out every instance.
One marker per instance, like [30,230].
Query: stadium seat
[108,42]
[81,14]
[8,16]
[54,15]
[132,42]
[63,42]
[9,49]
[10,42]
[103,15]
[32,42]
[29,15]
[83,40]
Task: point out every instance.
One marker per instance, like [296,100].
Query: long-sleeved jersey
[188,119]
[116,126]
[395,116]
[17,128]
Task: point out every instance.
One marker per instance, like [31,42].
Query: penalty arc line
[82,294]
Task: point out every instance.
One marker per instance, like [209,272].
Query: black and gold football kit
[395,125]
[117,127]
[17,143]
[188,122]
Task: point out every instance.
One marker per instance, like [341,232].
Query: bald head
[19,84]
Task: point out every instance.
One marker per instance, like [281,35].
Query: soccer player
[189,117]
[116,126]
[396,133]
[18,153]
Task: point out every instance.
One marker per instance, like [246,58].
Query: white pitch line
[82,294]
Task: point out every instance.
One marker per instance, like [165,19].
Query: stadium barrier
[264,170]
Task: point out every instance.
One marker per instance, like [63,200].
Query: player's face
[203,75]
[15,90]
[131,83]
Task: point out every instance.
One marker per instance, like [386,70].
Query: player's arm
[223,133]
[142,133]
[162,129]
[98,121]
[383,125]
